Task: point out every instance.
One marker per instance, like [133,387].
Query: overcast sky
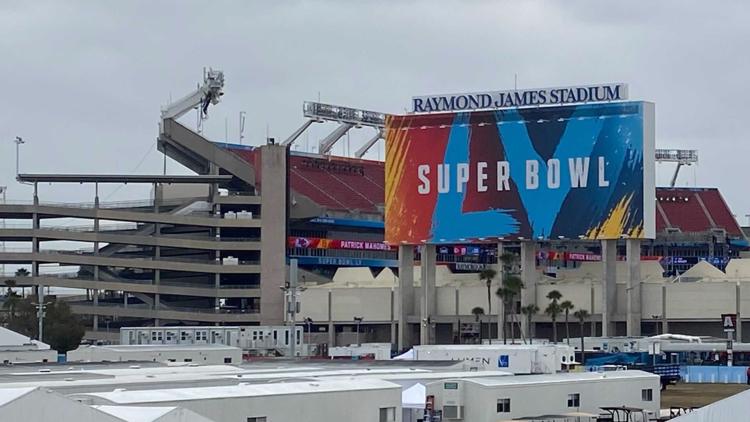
[83,81]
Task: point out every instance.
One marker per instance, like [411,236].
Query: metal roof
[121,178]
[242,391]
[570,377]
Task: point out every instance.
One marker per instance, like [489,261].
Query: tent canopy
[414,397]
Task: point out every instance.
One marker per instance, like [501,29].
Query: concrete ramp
[198,153]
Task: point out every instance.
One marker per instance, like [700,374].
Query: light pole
[308,325]
[358,320]
[18,142]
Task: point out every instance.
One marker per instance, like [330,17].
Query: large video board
[584,171]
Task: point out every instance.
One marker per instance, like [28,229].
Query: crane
[203,96]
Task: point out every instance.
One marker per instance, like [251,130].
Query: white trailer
[506,398]
[205,354]
[518,358]
[365,400]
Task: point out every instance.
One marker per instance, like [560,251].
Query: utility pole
[358,320]
[292,305]
[3,189]
[18,142]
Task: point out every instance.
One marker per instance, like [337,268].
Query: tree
[554,296]
[508,292]
[529,311]
[488,274]
[63,330]
[553,310]
[504,294]
[11,300]
[513,285]
[567,306]
[582,314]
[478,312]
[22,272]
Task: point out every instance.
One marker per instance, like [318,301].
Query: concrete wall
[273,233]
[21,356]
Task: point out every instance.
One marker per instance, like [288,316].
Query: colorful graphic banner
[584,256]
[321,243]
[572,172]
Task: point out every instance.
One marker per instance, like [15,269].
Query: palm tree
[529,311]
[553,310]
[503,293]
[554,295]
[513,284]
[478,312]
[488,274]
[567,306]
[582,314]
[22,272]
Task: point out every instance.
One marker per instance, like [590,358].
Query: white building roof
[152,414]
[7,395]
[561,378]
[14,339]
[241,390]
[164,347]
[728,410]
[135,414]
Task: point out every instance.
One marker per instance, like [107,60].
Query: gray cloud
[83,81]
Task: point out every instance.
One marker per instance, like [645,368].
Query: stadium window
[574,400]
[227,360]
[503,405]
[647,394]
[387,414]
[257,419]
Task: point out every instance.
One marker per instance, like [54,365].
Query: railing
[143,307]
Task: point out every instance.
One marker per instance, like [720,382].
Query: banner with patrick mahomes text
[568,172]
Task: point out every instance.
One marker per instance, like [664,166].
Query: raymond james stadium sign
[520,98]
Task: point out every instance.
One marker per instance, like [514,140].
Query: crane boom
[208,93]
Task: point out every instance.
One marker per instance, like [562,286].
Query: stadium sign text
[520,98]
[577,168]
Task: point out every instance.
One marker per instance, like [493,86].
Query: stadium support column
[738,305]
[273,227]
[633,295]
[498,301]
[405,295]
[429,294]
[529,277]
[609,287]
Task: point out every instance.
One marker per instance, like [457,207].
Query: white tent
[728,410]
[414,397]
[408,355]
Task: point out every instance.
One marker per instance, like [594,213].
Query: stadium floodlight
[334,113]
[683,157]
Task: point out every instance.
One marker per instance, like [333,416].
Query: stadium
[214,248]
